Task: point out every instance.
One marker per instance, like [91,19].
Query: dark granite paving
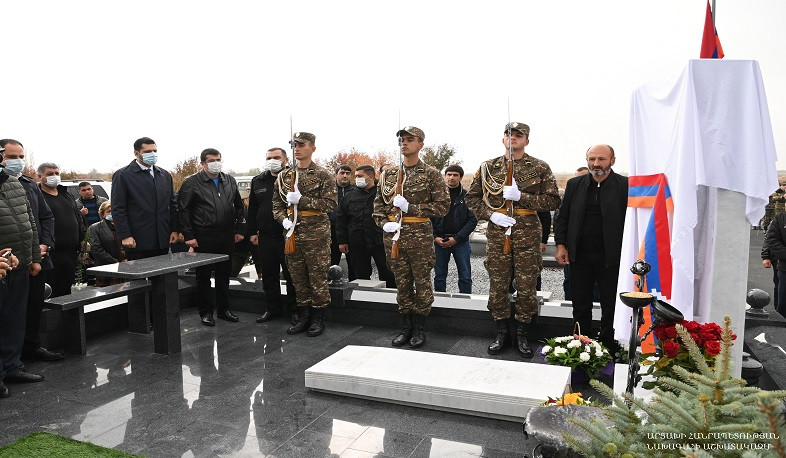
[238,390]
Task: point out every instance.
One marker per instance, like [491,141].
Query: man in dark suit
[144,205]
[588,234]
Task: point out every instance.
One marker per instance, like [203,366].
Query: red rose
[712,329]
[707,335]
[660,331]
[712,348]
[671,348]
[691,326]
[697,338]
[671,332]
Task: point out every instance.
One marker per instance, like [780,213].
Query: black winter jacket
[17,223]
[613,206]
[105,247]
[354,222]
[260,207]
[463,220]
[44,218]
[775,241]
[204,208]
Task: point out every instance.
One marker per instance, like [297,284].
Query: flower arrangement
[673,352]
[576,351]
[572,398]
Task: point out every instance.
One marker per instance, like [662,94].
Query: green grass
[41,445]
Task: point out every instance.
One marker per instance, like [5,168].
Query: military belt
[410,219]
[308,213]
[518,211]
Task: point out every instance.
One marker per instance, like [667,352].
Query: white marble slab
[368,283]
[474,386]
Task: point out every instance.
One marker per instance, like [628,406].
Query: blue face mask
[150,158]
[108,218]
[14,166]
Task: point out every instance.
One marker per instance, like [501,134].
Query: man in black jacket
[70,230]
[13,161]
[343,186]
[144,204]
[451,234]
[264,231]
[588,234]
[211,218]
[17,232]
[358,235]
[774,252]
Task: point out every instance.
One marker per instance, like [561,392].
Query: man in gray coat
[17,232]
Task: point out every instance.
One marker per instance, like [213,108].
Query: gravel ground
[551,278]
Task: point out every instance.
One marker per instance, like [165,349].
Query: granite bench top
[157,265]
[89,295]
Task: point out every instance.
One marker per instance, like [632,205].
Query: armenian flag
[710,43]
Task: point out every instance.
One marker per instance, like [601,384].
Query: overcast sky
[82,80]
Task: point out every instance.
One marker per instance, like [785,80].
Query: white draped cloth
[707,129]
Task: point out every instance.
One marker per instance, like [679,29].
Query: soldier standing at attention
[424,196]
[306,205]
[533,189]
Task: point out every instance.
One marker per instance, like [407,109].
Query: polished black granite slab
[238,390]
[157,265]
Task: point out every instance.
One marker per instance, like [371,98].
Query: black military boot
[501,342]
[406,331]
[303,321]
[419,331]
[521,340]
[317,322]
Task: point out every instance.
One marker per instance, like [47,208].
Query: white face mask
[214,167]
[360,183]
[52,181]
[274,165]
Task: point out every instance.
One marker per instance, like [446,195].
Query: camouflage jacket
[778,200]
[316,185]
[533,177]
[424,188]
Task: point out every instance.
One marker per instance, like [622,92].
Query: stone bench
[73,305]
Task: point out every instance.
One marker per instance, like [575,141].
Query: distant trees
[184,170]
[354,158]
[440,156]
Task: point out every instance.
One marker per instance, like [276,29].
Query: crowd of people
[409,219]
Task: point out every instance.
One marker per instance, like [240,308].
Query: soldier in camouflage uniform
[313,197]
[533,190]
[776,205]
[424,196]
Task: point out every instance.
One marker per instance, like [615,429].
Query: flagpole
[713,14]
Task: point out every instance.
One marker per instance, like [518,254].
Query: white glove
[511,192]
[391,226]
[294,197]
[501,219]
[287,223]
[400,202]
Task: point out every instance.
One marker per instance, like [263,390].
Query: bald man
[588,234]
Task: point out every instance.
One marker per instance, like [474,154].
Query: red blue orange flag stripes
[710,42]
[652,191]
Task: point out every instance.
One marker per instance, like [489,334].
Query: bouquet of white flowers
[576,351]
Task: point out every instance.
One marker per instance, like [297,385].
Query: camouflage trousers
[523,263]
[413,267]
[309,264]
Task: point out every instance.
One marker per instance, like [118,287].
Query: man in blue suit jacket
[144,207]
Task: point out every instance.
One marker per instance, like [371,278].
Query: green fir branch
[693,350]
[683,414]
